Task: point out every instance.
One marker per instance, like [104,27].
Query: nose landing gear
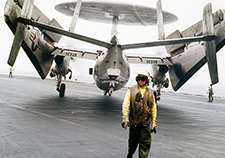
[112,84]
[110,91]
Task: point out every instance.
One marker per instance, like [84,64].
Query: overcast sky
[188,12]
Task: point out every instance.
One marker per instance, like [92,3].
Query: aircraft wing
[148,60]
[169,42]
[107,44]
[37,49]
[77,53]
[64,32]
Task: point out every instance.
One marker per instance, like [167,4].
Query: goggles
[142,78]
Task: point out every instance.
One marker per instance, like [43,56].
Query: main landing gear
[157,96]
[62,90]
[60,87]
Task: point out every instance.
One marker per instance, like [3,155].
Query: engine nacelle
[59,60]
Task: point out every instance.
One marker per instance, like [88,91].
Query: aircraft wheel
[110,91]
[62,90]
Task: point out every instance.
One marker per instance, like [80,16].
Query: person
[10,72]
[210,93]
[139,102]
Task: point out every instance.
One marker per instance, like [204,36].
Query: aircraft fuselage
[111,69]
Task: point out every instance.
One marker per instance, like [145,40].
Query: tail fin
[75,16]
[210,48]
[19,35]
[161,34]
[37,43]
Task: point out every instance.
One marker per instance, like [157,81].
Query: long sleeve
[126,103]
[153,109]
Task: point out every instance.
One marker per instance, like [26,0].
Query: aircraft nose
[113,73]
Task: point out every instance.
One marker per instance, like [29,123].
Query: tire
[62,90]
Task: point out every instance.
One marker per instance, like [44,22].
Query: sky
[187,11]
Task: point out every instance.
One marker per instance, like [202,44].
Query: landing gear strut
[157,96]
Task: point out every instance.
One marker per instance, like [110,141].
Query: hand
[153,127]
[125,121]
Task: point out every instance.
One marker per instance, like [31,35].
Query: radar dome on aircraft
[129,12]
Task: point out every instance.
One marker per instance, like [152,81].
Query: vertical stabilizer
[161,34]
[19,35]
[115,22]
[210,48]
[75,16]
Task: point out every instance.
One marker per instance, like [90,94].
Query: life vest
[140,107]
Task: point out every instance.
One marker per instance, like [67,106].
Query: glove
[125,121]
[153,127]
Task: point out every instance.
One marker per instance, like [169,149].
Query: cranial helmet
[143,73]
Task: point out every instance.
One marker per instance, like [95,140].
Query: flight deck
[37,123]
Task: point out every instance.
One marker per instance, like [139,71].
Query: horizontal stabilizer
[210,48]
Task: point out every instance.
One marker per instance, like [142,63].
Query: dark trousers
[10,75]
[139,135]
[210,98]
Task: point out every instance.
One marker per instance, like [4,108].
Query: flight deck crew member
[139,102]
[210,93]
[10,72]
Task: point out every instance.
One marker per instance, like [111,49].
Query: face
[142,80]
[142,83]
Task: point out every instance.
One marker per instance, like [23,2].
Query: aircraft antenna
[115,22]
